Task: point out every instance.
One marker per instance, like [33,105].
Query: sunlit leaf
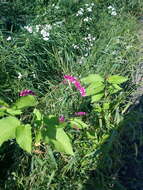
[116,79]
[92,78]
[97,97]
[24,102]
[8,126]
[57,137]
[95,88]
[24,137]
[75,122]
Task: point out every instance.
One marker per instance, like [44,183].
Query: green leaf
[52,120]
[24,137]
[92,78]
[114,88]
[97,97]
[8,126]
[116,79]
[57,137]
[95,88]
[75,122]
[38,114]
[13,112]
[25,101]
[106,106]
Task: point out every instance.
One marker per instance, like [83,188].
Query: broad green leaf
[97,97]
[92,78]
[75,122]
[114,88]
[13,112]
[116,79]
[58,138]
[8,126]
[95,88]
[63,144]
[37,114]
[52,120]
[24,137]
[24,102]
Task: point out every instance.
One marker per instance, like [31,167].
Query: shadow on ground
[121,167]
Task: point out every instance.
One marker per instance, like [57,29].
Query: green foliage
[24,102]
[78,123]
[24,137]
[102,88]
[116,79]
[8,126]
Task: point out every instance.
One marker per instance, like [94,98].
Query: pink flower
[61,119]
[76,83]
[80,113]
[26,92]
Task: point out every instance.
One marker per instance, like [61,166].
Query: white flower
[113,13]
[89,9]
[57,7]
[92,4]
[28,28]
[34,76]
[115,52]
[44,33]
[19,76]
[58,23]
[9,38]
[48,27]
[86,55]
[87,19]
[129,46]
[110,7]
[81,61]
[81,9]
[46,38]
[75,46]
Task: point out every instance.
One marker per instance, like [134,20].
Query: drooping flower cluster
[61,119]
[26,92]
[76,83]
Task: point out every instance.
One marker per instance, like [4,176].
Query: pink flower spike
[61,119]
[76,84]
[82,91]
[80,113]
[26,93]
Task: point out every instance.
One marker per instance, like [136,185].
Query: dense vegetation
[41,43]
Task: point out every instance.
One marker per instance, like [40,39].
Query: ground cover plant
[66,72]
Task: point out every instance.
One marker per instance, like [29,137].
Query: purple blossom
[80,113]
[76,83]
[61,119]
[26,92]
